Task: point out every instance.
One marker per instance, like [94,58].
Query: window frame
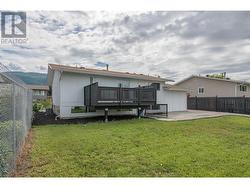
[199,93]
[156,85]
[243,85]
[39,93]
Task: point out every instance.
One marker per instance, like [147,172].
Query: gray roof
[217,79]
[39,87]
[173,88]
[83,70]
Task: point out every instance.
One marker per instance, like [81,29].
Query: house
[84,92]
[204,86]
[39,91]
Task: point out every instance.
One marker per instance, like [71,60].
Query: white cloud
[170,44]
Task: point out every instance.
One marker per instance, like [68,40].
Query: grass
[214,147]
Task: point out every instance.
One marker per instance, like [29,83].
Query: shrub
[37,107]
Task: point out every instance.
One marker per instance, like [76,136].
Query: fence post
[139,95]
[216,103]
[139,112]
[14,126]
[245,106]
[224,104]
[106,115]
[196,103]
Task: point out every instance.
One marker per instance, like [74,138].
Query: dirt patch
[45,118]
[23,163]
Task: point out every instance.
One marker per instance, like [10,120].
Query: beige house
[202,86]
[39,91]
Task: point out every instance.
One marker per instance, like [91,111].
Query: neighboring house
[39,91]
[69,85]
[202,86]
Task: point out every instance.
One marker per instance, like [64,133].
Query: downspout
[56,118]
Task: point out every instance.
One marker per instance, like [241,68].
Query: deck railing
[100,96]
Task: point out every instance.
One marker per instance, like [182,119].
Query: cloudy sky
[171,44]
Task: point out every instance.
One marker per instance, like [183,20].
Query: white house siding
[72,94]
[115,82]
[56,92]
[176,100]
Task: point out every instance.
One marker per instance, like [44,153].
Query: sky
[173,45]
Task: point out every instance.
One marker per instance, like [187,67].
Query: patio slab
[192,114]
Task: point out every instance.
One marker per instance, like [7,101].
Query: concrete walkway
[193,114]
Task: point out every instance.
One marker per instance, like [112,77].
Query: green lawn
[143,148]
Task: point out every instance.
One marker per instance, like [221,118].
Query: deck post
[120,95]
[106,114]
[139,112]
[166,110]
[139,95]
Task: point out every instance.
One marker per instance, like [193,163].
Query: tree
[220,76]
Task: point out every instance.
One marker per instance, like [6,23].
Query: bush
[37,107]
[41,105]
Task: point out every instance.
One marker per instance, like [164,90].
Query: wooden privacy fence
[220,104]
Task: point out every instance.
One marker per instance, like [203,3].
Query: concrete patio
[192,114]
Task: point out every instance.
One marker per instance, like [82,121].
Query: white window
[243,88]
[201,90]
[39,93]
[78,109]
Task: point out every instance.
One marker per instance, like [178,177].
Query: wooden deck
[118,97]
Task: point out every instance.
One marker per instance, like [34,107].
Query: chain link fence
[15,118]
